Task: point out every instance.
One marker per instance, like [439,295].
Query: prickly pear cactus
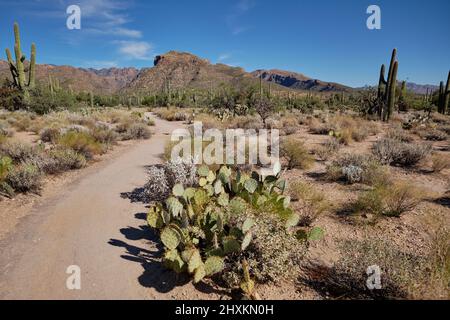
[202,227]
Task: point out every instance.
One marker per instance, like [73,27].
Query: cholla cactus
[353,174]
[163,178]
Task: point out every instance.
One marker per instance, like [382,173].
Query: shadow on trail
[149,256]
[154,275]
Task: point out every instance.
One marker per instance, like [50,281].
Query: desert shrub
[440,162]
[439,264]
[104,136]
[444,128]
[327,149]
[82,143]
[50,134]
[136,131]
[356,168]
[290,130]
[5,166]
[75,128]
[433,135]
[360,134]
[399,135]
[312,203]
[171,114]
[394,152]
[321,128]
[161,179]
[19,152]
[25,177]
[22,122]
[5,130]
[273,255]
[295,153]
[63,159]
[347,278]
[391,200]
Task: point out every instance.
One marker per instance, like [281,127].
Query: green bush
[25,178]
[19,152]
[81,142]
[391,200]
[63,159]
[295,153]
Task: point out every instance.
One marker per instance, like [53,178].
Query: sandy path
[94,225]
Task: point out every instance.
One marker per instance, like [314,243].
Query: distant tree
[264,107]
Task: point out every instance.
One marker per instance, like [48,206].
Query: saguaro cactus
[17,68]
[444,96]
[387,88]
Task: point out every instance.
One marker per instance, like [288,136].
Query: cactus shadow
[154,274]
[136,196]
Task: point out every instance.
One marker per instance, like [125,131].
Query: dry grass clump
[246,122]
[311,202]
[433,135]
[81,142]
[440,162]
[273,255]
[289,125]
[344,128]
[295,154]
[50,134]
[327,149]
[319,127]
[394,152]
[356,168]
[389,199]
[21,120]
[171,114]
[399,135]
[347,279]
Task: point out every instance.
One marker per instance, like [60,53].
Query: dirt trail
[94,224]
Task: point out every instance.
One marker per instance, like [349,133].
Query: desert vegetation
[363,179]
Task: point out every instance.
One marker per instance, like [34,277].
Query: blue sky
[325,39]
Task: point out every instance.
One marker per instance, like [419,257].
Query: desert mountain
[180,70]
[298,81]
[104,81]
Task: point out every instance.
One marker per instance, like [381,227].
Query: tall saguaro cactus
[387,88]
[18,69]
[444,96]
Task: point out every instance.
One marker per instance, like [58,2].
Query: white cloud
[139,50]
[235,17]
[224,56]
[100,64]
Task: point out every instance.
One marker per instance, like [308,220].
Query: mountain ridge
[181,70]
